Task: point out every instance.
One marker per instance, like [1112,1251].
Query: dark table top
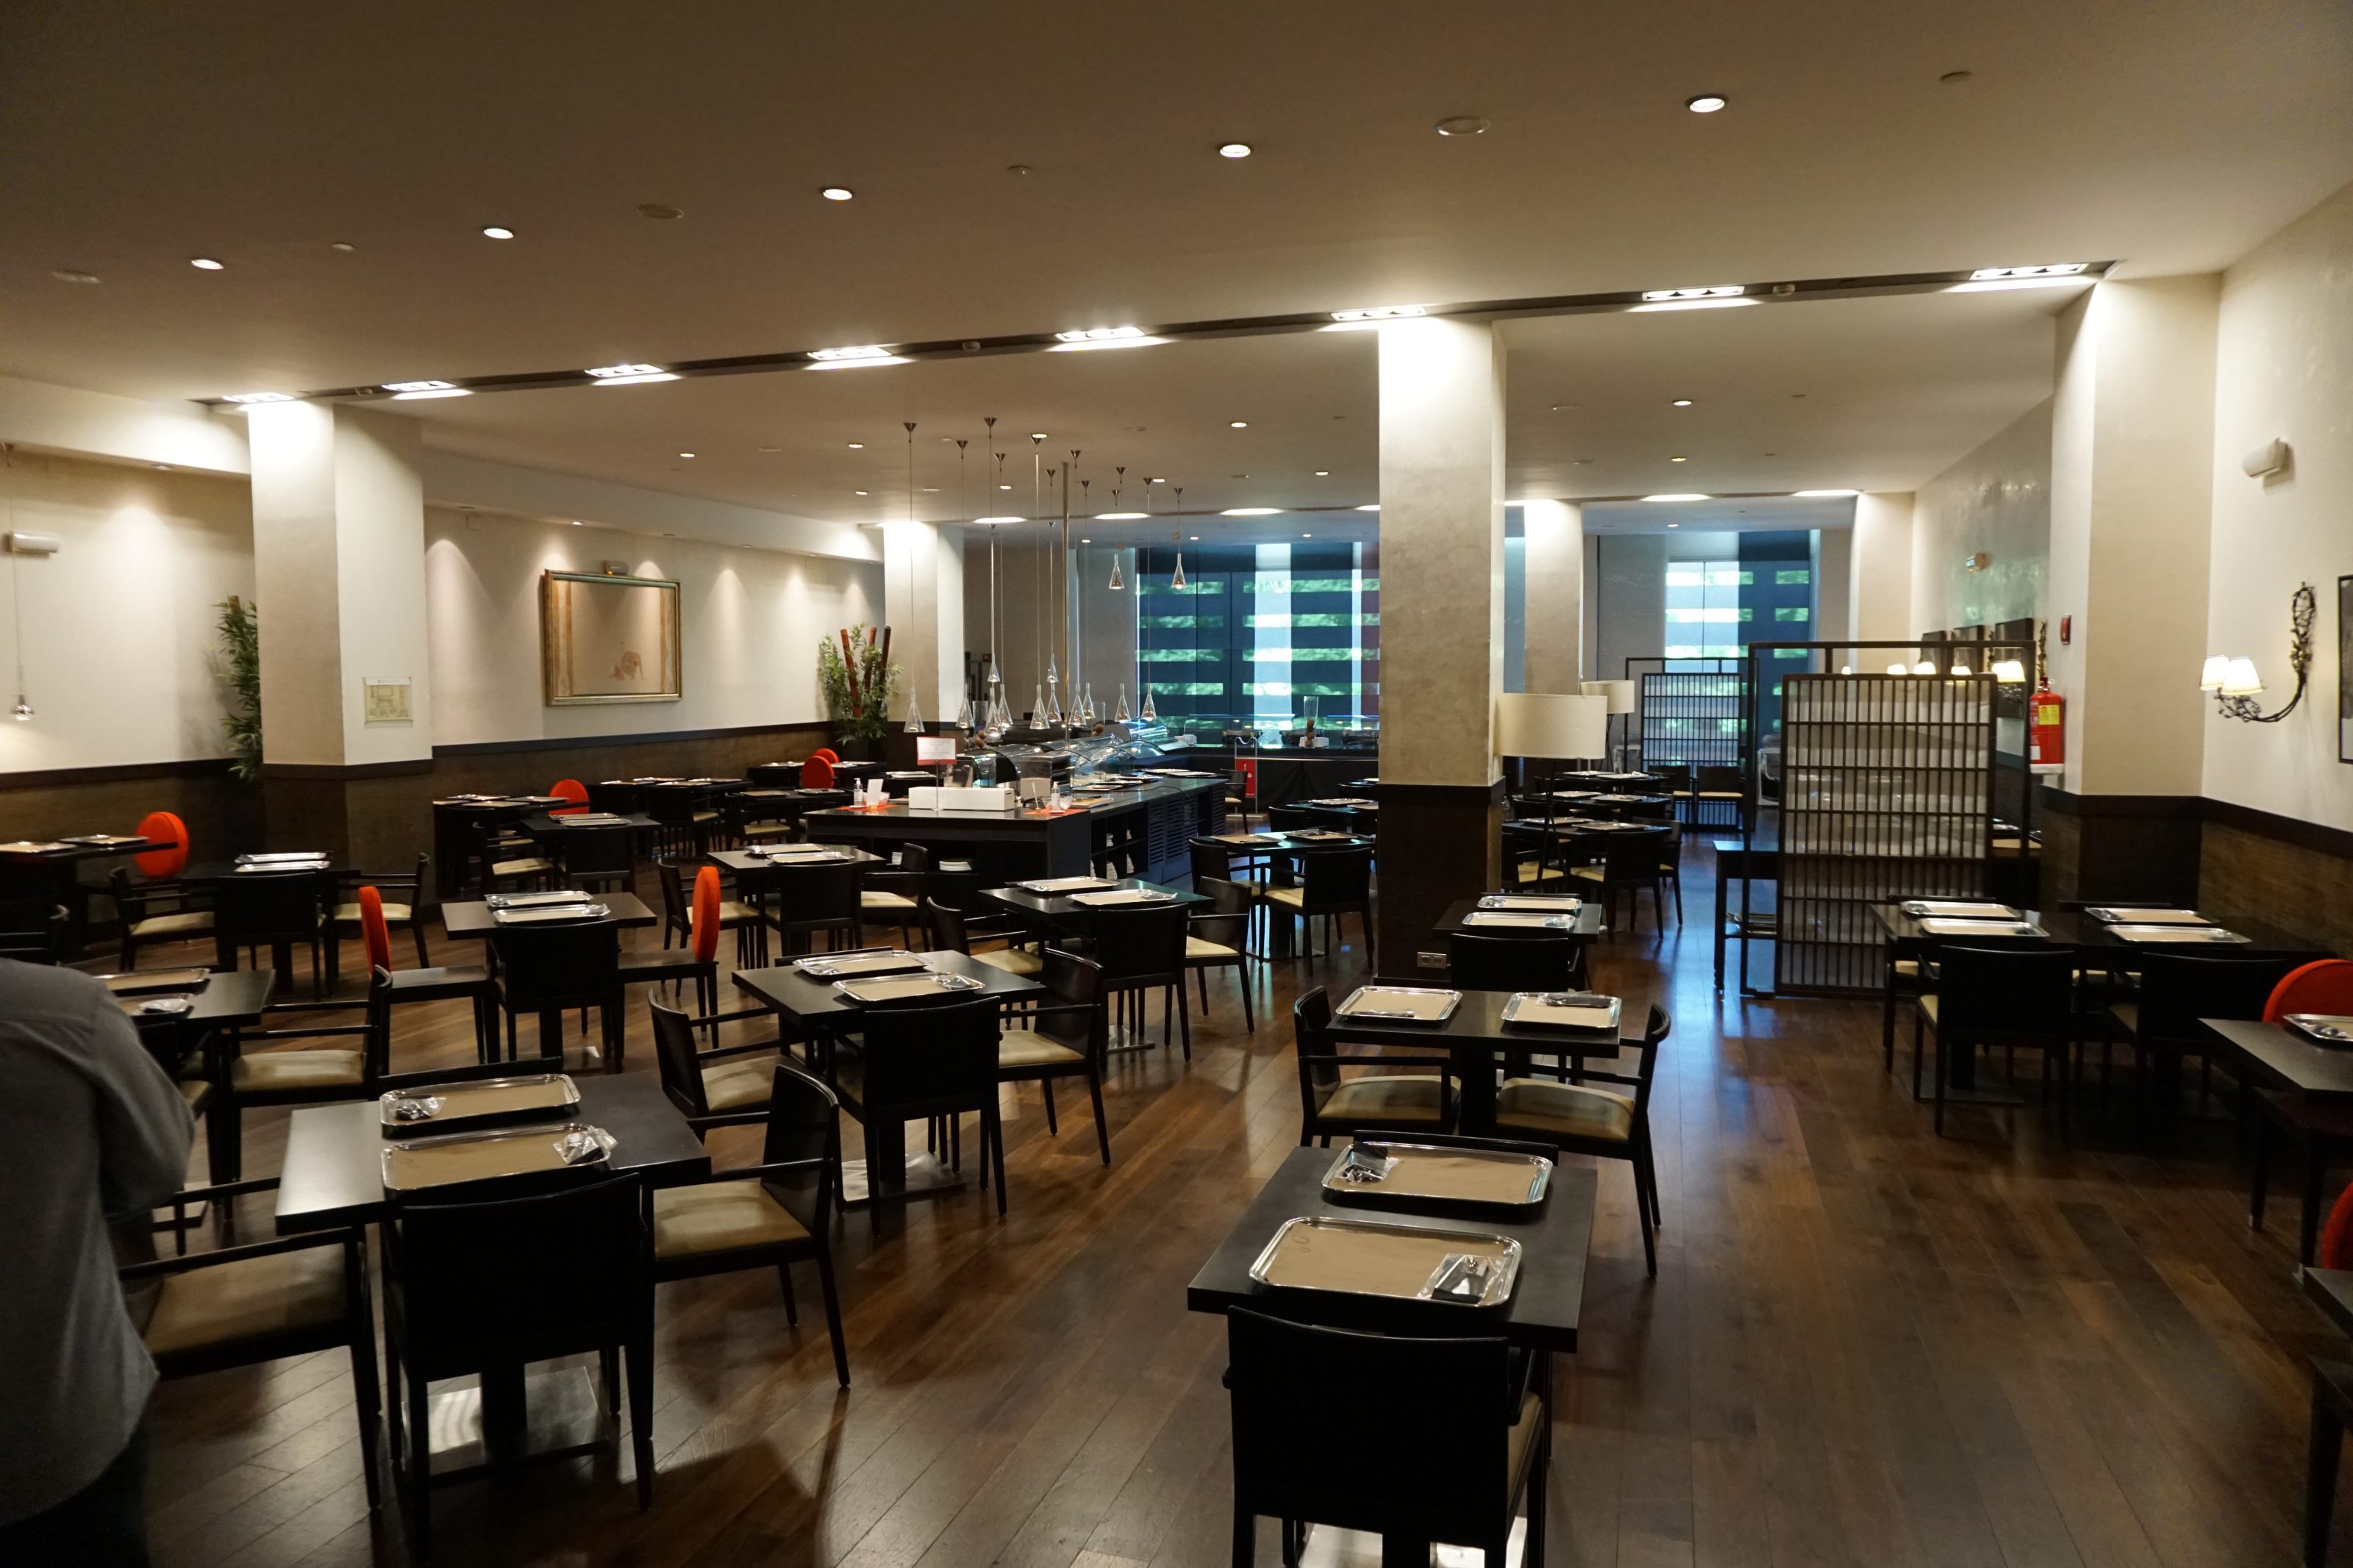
[333,1171]
[805,997]
[472,918]
[542,825]
[2310,1068]
[1065,906]
[1585,828]
[1545,1302]
[1588,920]
[743,860]
[2067,928]
[220,871]
[502,801]
[1478,1025]
[232,998]
[1292,844]
[128,845]
[2332,1289]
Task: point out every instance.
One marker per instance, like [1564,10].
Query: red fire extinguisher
[2047,732]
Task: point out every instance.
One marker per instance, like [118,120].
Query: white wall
[2284,368]
[1629,600]
[1879,569]
[752,621]
[118,624]
[1997,500]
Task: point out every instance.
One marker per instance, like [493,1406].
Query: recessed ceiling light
[575,523]
[1706,102]
[1235,150]
[1036,435]
[1370,506]
[858,446]
[686,454]
[261,397]
[837,192]
[1155,480]
[1250,511]
[1717,297]
[853,358]
[204,264]
[1461,125]
[1581,462]
[166,468]
[772,448]
[1192,536]
[629,374]
[498,231]
[1306,536]
[1004,487]
[1672,495]
[1120,516]
[345,246]
[1674,525]
[1086,541]
[1824,495]
[411,391]
[658,210]
[1323,473]
[1238,424]
[1683,403]
[2048,269]
[993,521]
[1086,338]
[1380,313]
[1678,460]
[68,275]
[931,489]
[862,492]
[2051,275]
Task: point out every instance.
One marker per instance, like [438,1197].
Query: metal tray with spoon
[1376,1171]
[1398,1262]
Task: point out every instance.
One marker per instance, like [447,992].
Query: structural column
[922,601]
[1879,571]
[339,585]
[1555,537]
[2132,445]
[1442,391]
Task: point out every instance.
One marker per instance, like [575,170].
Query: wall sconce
[1978,562]
[2234,681]
[2010,671]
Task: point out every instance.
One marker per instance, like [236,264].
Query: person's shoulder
[46,991]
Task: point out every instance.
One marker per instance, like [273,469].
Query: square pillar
[923,602]
[1441,402]
[1554,532]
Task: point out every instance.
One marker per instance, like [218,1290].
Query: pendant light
[23,710]
[1120,715]
[1177,579]
[914,725]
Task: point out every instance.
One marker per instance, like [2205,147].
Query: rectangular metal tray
[1250,840]
[34,846]
[1959,909]
[2322,1028]
[2116,917]
[1123,897]
[136,982]
[416,1164]
[100,840]
[1520,919]
[454,1104]
[1051,885]
[551,914]
[858,965]
[1378,1171]
[1537,1010]
[2006,930]
[1399,1003]
[801,853]
[534,900]
[1396,1262]
[1558,903]
[905,987]
[282,858]
[2203,936]
[154,1007]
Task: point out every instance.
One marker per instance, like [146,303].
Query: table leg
[506,1413]
[1721,884]
[1400,1551]
[1477,1109]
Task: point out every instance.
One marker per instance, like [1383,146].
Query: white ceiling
[2169,134]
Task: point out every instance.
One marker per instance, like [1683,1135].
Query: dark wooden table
[545,824]
[2331,1289]
[1062,912]
[54,877]
[1735,862]
[473,918]
[824,1014]
[1546,1299]
[2279,1054]
[1475,1037]
[1585,922]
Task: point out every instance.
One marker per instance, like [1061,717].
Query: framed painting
[608,639]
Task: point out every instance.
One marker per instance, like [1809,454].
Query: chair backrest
[703,927]
[1311,1029]
[1670,848]
[1719,777]
[1075,982]
[1282,818]
[1301,1392]
[947,926]
[613,795]
[669,877]
[168,830]
[674,1057]
[267,906]
[1139,944]
[545,967]
[1334,878]
[671,805]
[374,931]
[931,1056]
[565,1269]
[2176,989]
[1655,1030]
[804,1123]
[1672,776]
[1210,860]
[32,933]
[820,893]
[597,851]
[1227,919]
[817,774]
[572,790]
[1630,857]
[1534,962]
[2322,986]
[2023,990]
[827,753]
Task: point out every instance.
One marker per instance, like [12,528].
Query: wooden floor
[1865,1345]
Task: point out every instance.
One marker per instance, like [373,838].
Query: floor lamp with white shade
[1552,726]
[1619,695]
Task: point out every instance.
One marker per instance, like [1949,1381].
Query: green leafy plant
[857,679]
[237,637]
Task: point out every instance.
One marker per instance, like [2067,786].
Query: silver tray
[2199,935]
[1964,930]
[134,982]
[898,987]
[1354,1005]
[533,900]
[1378,1170]
[1959,909]
[551,914]
[1558,903]
[1123,899]
[450,1104]
[2324,1028]
[1520,919]
[1051,885]
[2123,917]
[1523,1006]
[414,1165]
[282,858]
[860,966]
[1407,1263]
[801,855]
[155,1006]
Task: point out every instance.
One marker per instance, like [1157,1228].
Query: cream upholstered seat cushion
[278,1293]
[1563,1110]
[531,865]
[288,1071]
[1385,1097]
[875,899]
[1588,873]
[735,912]
[1021,1046]
[740,1084]
[1216,952]
[394,914]
[719,1216]
[185,923]
[2127,1014]
[1531,871]
[1012,960]
[1929,1004]
[1292,898]
[195,1091]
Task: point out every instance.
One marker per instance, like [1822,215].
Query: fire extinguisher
[2047,732]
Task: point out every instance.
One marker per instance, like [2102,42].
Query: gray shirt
[89,1126]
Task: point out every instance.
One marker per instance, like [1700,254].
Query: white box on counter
[981,797]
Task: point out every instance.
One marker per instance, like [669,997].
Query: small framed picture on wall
[2345,670]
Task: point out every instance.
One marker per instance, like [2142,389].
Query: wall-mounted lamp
[2271,458]
[2010,671]
[2234,681]
[1978,561]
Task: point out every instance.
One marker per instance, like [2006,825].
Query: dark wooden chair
[616,795]
[751,933]
[772,1214]
[1670,847]
[1066,1036]
[1534,857]
[1218,938]
[549,969]
[33,932]
[403,893]
[953,931]
[914,1063]
[1332,883]
[154,911]
[1396,1094]
[2176,990]
[1723,785]
[253,1068]
[508,862]
[2011,997]
[805,900]
[598,859]
[263,1300]
[715,1085]
[895,895]
[1675,783]
[1586,1118]
[257,909]
[1143,951]
[1629,865]
[1303,1393]
[683,824]
[473,1286]
[1284,818]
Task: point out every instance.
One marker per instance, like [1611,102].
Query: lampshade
[2217,668]
[1961,670]
[1925,667]
[2010,672]
[1549,724]
[1897,669]
[2240,680]
[1619,693]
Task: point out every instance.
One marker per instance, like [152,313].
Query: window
[1799,576]
[1277,624]
[1792,612]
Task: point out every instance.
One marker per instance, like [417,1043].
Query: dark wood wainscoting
[2295,875]
[219,811]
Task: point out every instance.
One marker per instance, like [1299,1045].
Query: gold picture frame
[609,639]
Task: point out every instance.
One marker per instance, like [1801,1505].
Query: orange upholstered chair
[171,856]
[699,959]
[705,926]
[817,774]
[572,790]
[828,752]
[469,983]
[374,931]
[2325,986]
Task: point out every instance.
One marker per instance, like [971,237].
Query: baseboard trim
[118,772]
[575,743]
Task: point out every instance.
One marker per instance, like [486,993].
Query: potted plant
[237,640]
[857,679]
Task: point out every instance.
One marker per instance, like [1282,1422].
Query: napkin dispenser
[976,797]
